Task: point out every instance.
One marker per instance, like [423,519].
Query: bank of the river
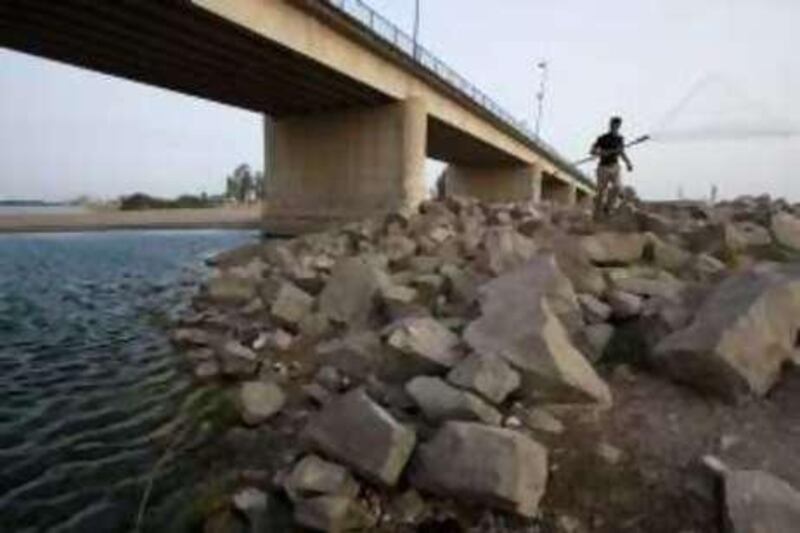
[510,369]
[92,395]
[223,217]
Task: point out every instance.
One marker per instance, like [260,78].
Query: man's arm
[595,150]
[624,157]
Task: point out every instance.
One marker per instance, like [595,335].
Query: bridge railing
[387,31]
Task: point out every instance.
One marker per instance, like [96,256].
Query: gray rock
[237,360]
[505,249]
[668,256]
[749,235]
[461,285]
[259,401]
[492,466]
[329,377]
[192,337]
[786,229]
[539,419]
[624,304]
[741,335]
[314,326]
[354,430]
[594,311]
[398,249]
[610,248]
[440,401]
[661,288]
[206,370]
[402,302]
[706,267]
[427,345]
[518,325]
[317,393]
[200,355]
[425,264]
[350,293]
[428,287]
[574,262]
[489,376]
[313,476]
[252,503]
[291,304]
[398,295]
[333,514]
[358,354]
[598,336]
[226,289]
[757,502]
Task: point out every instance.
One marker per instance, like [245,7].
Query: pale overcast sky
[65,131]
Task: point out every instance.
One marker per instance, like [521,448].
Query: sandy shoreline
[223,217]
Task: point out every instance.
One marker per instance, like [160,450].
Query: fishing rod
[638,140]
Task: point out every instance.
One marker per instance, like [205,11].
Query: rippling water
[89,387]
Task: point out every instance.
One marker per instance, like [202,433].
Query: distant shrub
[140,201]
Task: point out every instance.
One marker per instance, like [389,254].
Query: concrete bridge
[352,107]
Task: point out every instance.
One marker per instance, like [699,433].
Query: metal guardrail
[388,32]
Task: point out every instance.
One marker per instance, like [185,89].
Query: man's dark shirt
[610,141]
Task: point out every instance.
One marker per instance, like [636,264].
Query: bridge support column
[556,190]
[494,184]
[341,166]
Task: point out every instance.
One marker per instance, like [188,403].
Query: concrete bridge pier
[332,167]
[556,190]
[507,183]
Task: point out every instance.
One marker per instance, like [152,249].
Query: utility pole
[416,29]
[542,66]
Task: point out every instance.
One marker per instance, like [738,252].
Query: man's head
[615,124]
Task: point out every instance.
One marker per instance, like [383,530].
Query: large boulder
[667,255]
[489,376]
[259,401]
[786,229]
[228,289]
[424,346]
[612,248]
[350,294]
[756,502]
[594,311]
[333,514]
[741,335]
[743,235]
[573,261]
[237,360]
[517,323]
[358,353]
[357,432]
[504,249]
[291,304]
[313,476]
[491,466]
[440,401]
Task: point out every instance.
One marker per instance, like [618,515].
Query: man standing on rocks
[609,147]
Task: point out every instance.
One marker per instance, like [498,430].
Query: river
[89,385]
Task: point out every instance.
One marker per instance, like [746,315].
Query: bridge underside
[178,46]
[335,146]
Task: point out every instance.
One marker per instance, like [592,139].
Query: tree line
[242,186]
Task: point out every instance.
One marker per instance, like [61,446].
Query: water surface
[89,386]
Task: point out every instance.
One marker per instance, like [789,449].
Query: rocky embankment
[419,370]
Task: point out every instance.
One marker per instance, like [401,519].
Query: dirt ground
[658,483]
[222,217]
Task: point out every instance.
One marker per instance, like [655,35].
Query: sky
[65,132]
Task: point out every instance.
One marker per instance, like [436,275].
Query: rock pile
[427,354]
